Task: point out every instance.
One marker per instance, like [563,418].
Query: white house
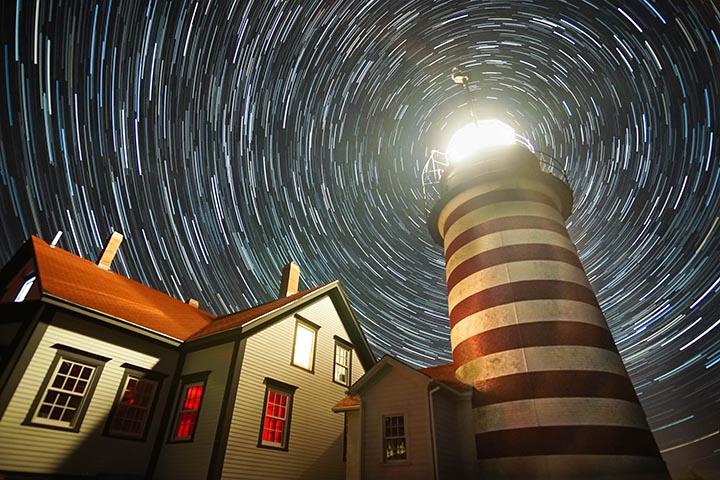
[101,376]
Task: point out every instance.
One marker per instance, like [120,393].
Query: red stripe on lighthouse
[511,253]
[566,440]
[553,384]
[494,197]
[518,292]
[534,334]
[502,224]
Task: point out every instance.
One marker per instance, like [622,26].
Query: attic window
[25,289]
[304,345]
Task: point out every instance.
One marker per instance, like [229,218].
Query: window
[188,410]
[304,345]
[275,425]
[343,362]
[394,438]
[134,403]
[66,391]
[25,289]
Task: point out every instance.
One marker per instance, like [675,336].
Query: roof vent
[290,280]
[56,239]
[193,303]
[111,248]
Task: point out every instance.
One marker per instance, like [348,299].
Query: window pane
[64,394]
[394,438]
[188,411]
[304,345]
[275,421]
[132,409]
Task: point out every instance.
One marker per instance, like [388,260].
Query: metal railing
[437,163]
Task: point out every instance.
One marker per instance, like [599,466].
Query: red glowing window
[277,411]
[131,411]
[188,411]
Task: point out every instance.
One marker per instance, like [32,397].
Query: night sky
[224,139]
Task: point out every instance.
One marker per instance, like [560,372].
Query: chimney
[290,280]
[111,248]
[193,303]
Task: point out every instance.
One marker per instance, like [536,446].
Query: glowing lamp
[478,136]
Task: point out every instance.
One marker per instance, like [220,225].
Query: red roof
[349,401]
[446,375]
[79,281]
[238,319]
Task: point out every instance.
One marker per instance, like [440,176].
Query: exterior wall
[315,443]
[191,460]
[452,435]
[353,459]
[36,449]
[399,391]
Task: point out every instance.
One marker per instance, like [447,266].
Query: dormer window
[25,289]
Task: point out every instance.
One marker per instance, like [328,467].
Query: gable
[249,322]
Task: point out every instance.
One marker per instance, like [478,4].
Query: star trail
[225,138]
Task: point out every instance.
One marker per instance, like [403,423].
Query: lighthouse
[551,396]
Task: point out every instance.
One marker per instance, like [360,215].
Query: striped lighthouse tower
[552,398]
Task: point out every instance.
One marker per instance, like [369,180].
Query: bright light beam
[478,136]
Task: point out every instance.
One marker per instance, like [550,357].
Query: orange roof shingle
[446,375]
[348,401]
[238,319]
[81,282]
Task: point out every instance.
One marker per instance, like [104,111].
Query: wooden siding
[316,433]
[451,434]
[42,450]
[191,460]
[399,391]
[353,470]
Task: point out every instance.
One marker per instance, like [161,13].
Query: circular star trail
[224,139]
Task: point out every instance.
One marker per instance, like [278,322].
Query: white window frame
[278,388]
[392,438]
[304,357]
[59,388]
[340,348]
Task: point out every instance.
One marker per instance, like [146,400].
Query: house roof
[69,280]
[349,402]
[244,317]
[253,319]
[441,374]
[445,374]
[75,280]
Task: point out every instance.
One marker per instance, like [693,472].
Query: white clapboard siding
[316,433]
[191,460]
[42,450]
[399,391]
